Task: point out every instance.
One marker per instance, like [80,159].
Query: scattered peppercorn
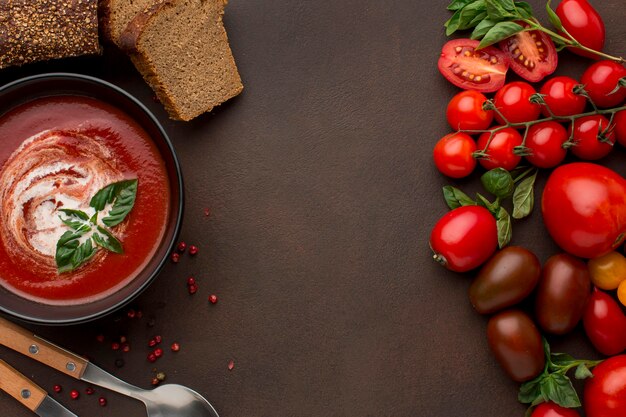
[155,381]
[74,394]
[175,257]
[152,342]
[126,347]
[175,347]
[57,388]
[182,246]
[231,365]
[139,314]
[207,212]
[161,376]
[158,352]
[123,339]
[131,313]
[152,357]
[193,250]
[102,401]
[89,391]
[115,346]
[158,339]
[100,338]
[191,281]
[213,299]
[193,289]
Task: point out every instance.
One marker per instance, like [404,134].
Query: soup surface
[56,154]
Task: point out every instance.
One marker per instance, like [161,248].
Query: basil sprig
[78,245]
[517,185]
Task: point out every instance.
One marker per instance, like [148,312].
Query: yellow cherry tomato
[621,292]
[608,271]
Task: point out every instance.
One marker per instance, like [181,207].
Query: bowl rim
[178,183]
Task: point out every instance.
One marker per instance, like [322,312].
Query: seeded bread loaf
[41,30]
[181,49]
[115,15]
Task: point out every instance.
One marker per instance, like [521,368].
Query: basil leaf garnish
[70,253]
[456,198]
[498,182]
[106,240]
[122,194]
[524,197]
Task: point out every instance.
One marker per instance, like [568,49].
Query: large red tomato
[584,208]
[605,393]
[584,23]
[553,410]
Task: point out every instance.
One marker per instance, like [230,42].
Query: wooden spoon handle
[19,387]
[22,341]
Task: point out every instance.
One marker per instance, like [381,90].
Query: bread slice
[181,49]
[41,30]
[115,15]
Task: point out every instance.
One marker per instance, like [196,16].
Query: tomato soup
[55,154]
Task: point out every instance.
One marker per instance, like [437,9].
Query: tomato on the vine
[559,95]
[513,102]
[601,81]
[464,238]
[592,137]
[532,54]
[472,69]
[553,410]
[620,127]
[605,393]
[584,23]
[500,152]
[453,155]
[545,142]
[465,111]
[584,208]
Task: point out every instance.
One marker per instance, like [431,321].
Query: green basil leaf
[582,372]
[75,213]
[492,207]
[497,11]
[503,222]
[77,220]
[499,32]
[529,391]
[82,254]
[524,10]
[562,359]
[482,28]
[106,240]
[498,182]
[456,198]
[558,389]
[70,253]
[468,15]
[122,194]
[524,197]
[509,5]
[459,4]
[554,19]
[452,25]
[476,20]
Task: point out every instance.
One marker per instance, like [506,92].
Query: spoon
[168,400]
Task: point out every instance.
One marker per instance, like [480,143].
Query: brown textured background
[323,193]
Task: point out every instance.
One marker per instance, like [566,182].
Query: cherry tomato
[620,127]
[532,54]
[584,23]
[559,95]
[562,294]
[471,69]
[590,134]
[605,393]
[516,343]
[553,410]
[608,271]
[464,238]
[453,155]
[545,141]
[513,101]
[621,292]
[500,151]
[601,79]
[465,111]
[605,324]
[584,209]
[505,280]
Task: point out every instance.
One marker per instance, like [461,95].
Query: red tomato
[471,69]
[513,101]
[558,93]
[620,127]
[605,393]
[532,54]
[584,208]
[545,141]
[465,111]
[589,135]
[464,238]
[601,79]
[453,155]
[553,410]
[584,23]
[500,150]
[605,324]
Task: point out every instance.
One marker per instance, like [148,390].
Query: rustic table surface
[322,194]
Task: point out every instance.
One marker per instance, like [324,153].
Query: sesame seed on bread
[181,49]
[41,30]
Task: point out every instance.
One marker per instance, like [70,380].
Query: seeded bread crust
[215,78]
[37,31]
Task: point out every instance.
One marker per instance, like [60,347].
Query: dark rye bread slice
[115,15]
[41,30]
[181,49]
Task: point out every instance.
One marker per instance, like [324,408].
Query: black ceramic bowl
[54,84]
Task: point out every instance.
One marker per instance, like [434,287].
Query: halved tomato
[471,69]
[532,54]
